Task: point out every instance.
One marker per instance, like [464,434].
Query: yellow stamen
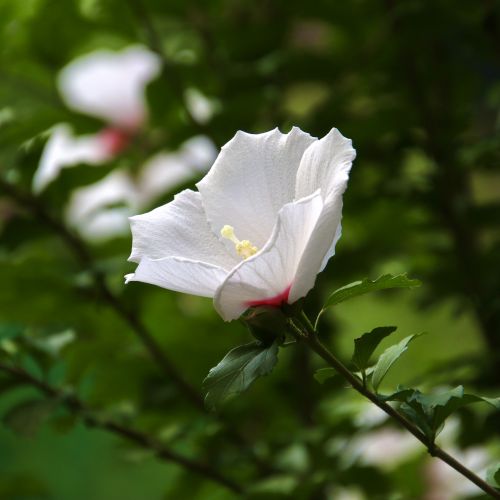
[244,248]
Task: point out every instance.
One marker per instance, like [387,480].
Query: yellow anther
[244,248]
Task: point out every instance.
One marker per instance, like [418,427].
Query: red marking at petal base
[115,140]
[275,301]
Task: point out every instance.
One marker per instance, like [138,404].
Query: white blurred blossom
[165,171]
[101,210]
[110,86]
[63,149]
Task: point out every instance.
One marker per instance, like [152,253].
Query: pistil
[243,247]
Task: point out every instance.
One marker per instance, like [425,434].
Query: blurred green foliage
[415,84]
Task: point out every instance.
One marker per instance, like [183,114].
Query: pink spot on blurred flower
[115,140]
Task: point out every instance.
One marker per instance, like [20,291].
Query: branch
[78,407]
[308,335]
[83,256]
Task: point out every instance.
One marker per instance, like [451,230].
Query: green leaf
[429,411]
[25,418]
[323,374]
[493,475]
[239,368]
[366,286]
[441,406]
[388,358]
[8,347]
[365,345]
[402,394]
[416,414]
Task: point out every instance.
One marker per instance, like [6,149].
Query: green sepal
[266,324]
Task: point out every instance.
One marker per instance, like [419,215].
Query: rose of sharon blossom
[262,225]
[107,85]
[110,85]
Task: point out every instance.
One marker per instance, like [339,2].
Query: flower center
[243,247]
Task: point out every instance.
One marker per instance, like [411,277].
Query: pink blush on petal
[275,301]
[115,140]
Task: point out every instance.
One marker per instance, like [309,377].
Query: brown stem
[78,407]
[309,336]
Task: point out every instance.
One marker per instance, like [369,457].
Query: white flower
[281,194]
[63,149]
[110,85]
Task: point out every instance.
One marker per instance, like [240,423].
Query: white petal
[319,249]
[110,85]
[178,229]
[63,149]
[325,165]
[252,178]
[180,275]
[271,272]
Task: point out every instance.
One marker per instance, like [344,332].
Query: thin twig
[78,407]
[83,256]
[309,336]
